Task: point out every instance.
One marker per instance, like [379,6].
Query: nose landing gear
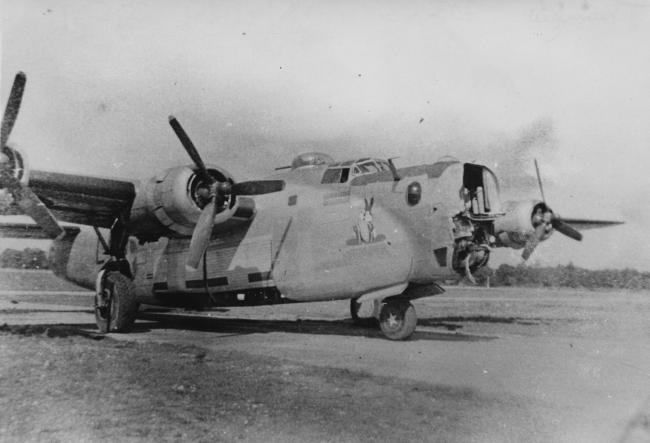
[397,319]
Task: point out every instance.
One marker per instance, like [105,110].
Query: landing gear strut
[355,307]
[397,319]
[115,303]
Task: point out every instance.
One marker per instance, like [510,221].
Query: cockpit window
[336,175]
[367,168]
[331,176]
[345,171]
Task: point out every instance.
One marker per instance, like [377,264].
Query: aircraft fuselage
[314,242]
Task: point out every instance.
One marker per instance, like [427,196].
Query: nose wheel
[397,319]
[115,303]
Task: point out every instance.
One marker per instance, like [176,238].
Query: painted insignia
[365,229]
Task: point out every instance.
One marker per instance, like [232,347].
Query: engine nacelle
[515,228]
[170,204]
[78,256]
[75,256]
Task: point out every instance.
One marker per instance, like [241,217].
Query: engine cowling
[515,229]
[14,163]
[171,202]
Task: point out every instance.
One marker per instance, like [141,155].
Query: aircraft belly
[146,265]
[359,269]
[233,263]
[245,265]
[324,259]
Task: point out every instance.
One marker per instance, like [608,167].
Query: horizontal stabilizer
[30,230]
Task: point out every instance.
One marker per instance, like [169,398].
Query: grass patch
[60,385]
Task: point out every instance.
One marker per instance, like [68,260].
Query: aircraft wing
[80,199]
[29,230]
[50,197]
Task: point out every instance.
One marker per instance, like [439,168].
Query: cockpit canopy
[343,172]
[311,159]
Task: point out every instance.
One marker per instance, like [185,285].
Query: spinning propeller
[26,199]
[545,221]
[216,193]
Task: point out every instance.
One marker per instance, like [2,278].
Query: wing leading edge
[82,199]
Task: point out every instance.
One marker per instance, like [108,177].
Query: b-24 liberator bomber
[192,236]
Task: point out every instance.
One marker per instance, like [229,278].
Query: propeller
[26,199]
[13,106]
[564,228]
[216,193]
[542,223]
[544,220]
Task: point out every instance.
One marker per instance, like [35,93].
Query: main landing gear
[397,317]
[115,303]
[115,300]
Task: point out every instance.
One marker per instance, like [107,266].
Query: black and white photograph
[325,221]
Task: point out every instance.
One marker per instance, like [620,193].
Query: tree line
[561,276]
[28,258]
[564,276]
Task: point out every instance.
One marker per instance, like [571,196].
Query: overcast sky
[255,83]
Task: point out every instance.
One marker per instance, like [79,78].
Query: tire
[115,305]
[398,319]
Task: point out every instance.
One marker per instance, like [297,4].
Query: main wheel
[397,319]
[115,304]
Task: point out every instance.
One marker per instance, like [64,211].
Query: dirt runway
[484,365]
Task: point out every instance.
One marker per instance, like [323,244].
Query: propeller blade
[24,197]
[533,241]
[31,205]
[566,229]
[582,224]
[539,181]
[258,187]
[13,106]
[201,234]
[190,148]
[528,250]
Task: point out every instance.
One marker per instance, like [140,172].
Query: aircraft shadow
[234,326]
[451,322]
[57,330]
[237,326]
